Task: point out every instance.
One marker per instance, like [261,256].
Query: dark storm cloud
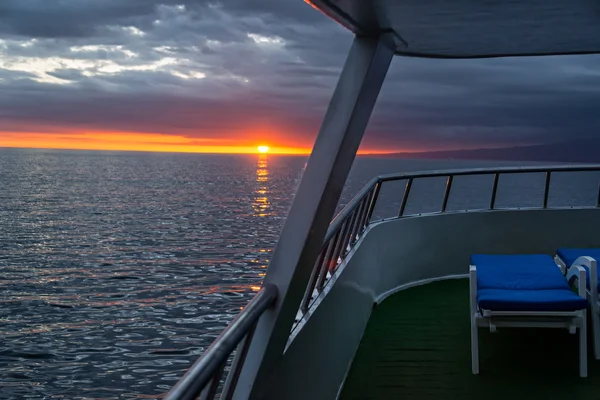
[209,69]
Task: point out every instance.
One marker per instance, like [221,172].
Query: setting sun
[263,149]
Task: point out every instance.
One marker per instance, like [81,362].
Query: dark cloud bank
[209,68]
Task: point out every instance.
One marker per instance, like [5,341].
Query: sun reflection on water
[261,204]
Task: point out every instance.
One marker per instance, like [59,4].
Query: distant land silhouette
[576,151]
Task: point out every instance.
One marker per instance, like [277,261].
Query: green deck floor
[417,346]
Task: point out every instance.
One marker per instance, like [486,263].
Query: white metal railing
[203,379]
[346,228]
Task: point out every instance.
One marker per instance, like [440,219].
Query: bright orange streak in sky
[131,141]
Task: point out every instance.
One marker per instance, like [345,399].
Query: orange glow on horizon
[134,141]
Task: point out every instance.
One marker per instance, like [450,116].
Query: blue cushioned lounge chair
[586,258]
[525,291]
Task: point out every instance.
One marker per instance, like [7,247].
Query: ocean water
[118,269]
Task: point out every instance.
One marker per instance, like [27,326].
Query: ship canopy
[474,28]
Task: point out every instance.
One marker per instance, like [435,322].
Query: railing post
[210,390]
[339,249]
[314,278]
[313,206]
[324,267]
[348,236]
[405,197]
[598,200]
[494,190]
[204,374]
[447,192]
[234,372]
[547,188]
[371,204]
[362,212]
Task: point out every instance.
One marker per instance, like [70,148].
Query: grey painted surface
[402,251]
[433,246]
[472,28]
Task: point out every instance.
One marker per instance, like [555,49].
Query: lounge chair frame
[592,293]
[571,320]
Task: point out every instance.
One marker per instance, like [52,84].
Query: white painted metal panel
[474,28]
[399,253]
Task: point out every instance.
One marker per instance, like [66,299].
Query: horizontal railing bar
[199,374]
[486,171]
[343,214]
[483,209]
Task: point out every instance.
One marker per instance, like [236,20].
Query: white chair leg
[583,347]
[473,311]
[596,331]
[474,346]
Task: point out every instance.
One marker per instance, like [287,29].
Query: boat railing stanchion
[547,188]
[362,212]
[348,236]
[324,267]
[313,279]
[405,195]
[494,191]
[372,203]
[447,192]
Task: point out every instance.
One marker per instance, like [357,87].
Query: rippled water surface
[118,269]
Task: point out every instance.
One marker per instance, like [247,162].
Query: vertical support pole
[447,192]
[352,222]
[494,190]
[234,372]
[547,188]
[372,204]
[313,206]
[405,197]
[362,213]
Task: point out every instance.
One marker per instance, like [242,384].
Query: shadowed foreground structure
[417,346]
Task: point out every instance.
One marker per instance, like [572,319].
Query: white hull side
[396,253]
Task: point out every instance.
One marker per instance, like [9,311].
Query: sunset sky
[230,75]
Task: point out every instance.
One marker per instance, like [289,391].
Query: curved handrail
[491,170]
[204,375]
[354,218]
[210,365]
[341,216]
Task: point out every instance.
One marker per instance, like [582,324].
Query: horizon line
[276,153]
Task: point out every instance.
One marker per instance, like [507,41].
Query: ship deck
[417,346]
